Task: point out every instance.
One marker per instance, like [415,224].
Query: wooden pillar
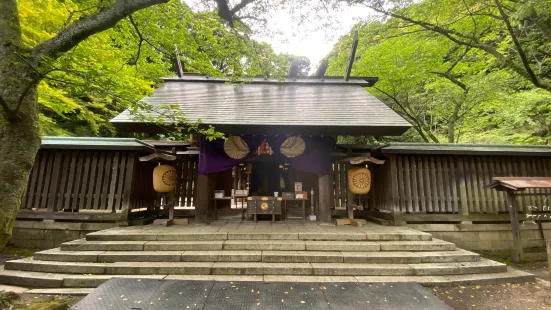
[213,177]
[349,196]
[202,199]
[324,198]
[516,250]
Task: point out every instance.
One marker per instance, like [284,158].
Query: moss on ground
[52,304]
[9,250]
[500,256]
[7,299]
[10,300]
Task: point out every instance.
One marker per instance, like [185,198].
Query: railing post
[128,188]
[516,250]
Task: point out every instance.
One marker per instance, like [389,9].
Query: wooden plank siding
[75,180]
[340,188]
[185,195]
[446,184]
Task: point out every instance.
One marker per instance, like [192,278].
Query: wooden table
[272,206]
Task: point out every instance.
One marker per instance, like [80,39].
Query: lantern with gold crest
[164,178]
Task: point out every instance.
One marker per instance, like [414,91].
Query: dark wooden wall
[73,180]
[340,196]
[142,196]
[453,184]
[187,192]
[70,181]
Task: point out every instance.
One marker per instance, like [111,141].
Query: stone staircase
[257,252]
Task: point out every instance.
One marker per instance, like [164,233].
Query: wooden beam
[156,156]
[349,196]
[516,250]
[320,72]
[202,199]
[71,216]
[352,56]
[324,198]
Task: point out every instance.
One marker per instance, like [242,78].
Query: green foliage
[112,70]
[451,92]
[7,299]
[175,124]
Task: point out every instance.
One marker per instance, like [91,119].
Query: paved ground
[290,226]
[172,294]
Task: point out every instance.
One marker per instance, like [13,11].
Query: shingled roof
[313,106]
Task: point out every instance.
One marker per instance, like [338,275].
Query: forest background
[451,92]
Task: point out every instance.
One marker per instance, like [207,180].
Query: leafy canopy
[113,69]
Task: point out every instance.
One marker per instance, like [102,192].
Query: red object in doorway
[264,148]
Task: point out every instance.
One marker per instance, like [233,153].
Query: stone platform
[290,251]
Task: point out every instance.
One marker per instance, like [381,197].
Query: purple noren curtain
[316,157]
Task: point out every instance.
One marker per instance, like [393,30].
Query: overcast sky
[286,36]
[315,43]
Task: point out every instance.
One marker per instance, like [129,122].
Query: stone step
[396,257]
[30,279]
[57,254]
[221,256]
[254,268]
[258,256]
[56,280]
[417,246]
[428,269]
[183,235]
[301,257]
[96,280]
[266,245]
[510,276]
[83,245]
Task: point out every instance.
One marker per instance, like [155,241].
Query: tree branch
[89,25]
[520,50]
[466,40]
[238,7]
[418,125]
[140,37]
[452,79]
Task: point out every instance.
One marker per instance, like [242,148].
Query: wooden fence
[98,185]
[340,188]
[186,193]
[340,195]
[114,183]
[72,180]
[455,184]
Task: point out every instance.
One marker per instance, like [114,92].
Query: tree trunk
[19,142]
[452,121]
[19,124]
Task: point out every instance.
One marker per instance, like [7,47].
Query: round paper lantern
[236,148]
[164,178]
[359,180]
[292,146]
